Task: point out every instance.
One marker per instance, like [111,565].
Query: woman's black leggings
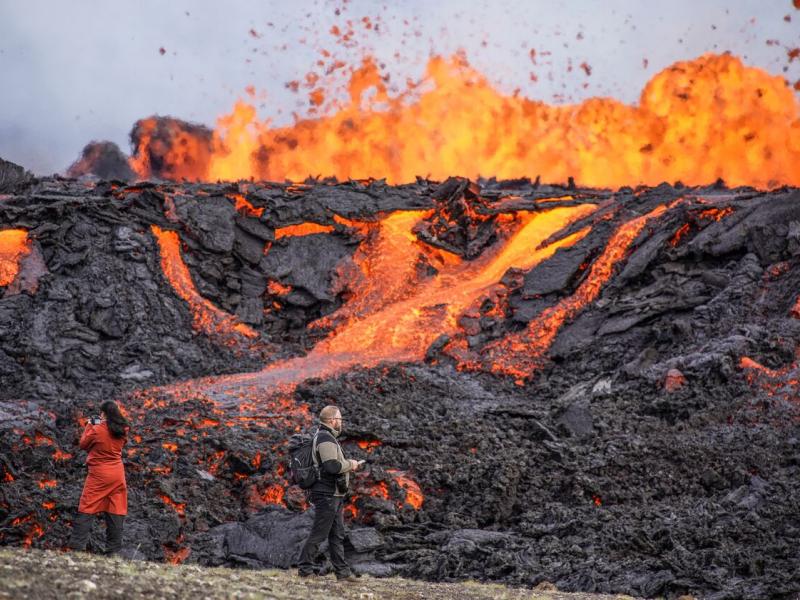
[83,527]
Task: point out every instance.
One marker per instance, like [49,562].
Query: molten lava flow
[520,354]
[178,507]
[176,557]
[403,329]
[716,214]
[244,207]
[206,317]
[395,316]
[35,531]
[274,494]
[747,363]
[701,219]
[14,245]
[302,229]
[256,462]
[174,553]
[368,445]
[385,267]
[696,121]
[278,289]
[22,520]
[40,439]
[414,497]
[679,234]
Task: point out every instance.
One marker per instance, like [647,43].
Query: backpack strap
[314,450]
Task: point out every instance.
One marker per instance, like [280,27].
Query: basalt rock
[12,176]
[653,449]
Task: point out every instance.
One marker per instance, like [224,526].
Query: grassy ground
[47,574]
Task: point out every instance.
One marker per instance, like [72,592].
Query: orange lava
[745,362]
[41,439]
[393,314]
[772,381]
[178,507]
[679,234]
[377,490]
[278,289]
[176,557]
[256,462]
[36,531]
[206,317]
[414,496]
[716,214]
[674,381]
[49,505]
[244,207]
[695,121]
[20,520]
[368,445]
[59,454]
[274,494]
[47,483]
[14,245]
[215,462]
[423,310]
[302,229]
[520,354]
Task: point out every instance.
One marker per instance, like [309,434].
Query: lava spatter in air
[696,121]
[520,354]
[205,316]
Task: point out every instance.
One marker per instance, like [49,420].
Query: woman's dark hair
[117,424]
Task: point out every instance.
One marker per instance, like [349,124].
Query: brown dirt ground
[44,574]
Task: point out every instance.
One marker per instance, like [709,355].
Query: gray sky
[75,71]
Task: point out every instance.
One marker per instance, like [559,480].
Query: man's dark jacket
[333,466]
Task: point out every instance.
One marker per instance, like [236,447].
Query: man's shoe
[347,578]
[305,573]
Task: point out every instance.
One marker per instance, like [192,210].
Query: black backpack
[303,461]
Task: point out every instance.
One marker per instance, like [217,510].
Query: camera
[95,420]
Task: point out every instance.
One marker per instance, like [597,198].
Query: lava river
[400,319]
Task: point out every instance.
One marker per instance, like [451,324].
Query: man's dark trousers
[328,523]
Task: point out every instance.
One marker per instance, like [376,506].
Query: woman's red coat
[104,489]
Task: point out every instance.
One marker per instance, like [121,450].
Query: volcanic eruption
[565,336]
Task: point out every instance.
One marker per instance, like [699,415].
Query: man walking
[327,496]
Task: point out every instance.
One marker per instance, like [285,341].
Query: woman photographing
[104,490]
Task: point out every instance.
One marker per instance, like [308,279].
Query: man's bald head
[329,414]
